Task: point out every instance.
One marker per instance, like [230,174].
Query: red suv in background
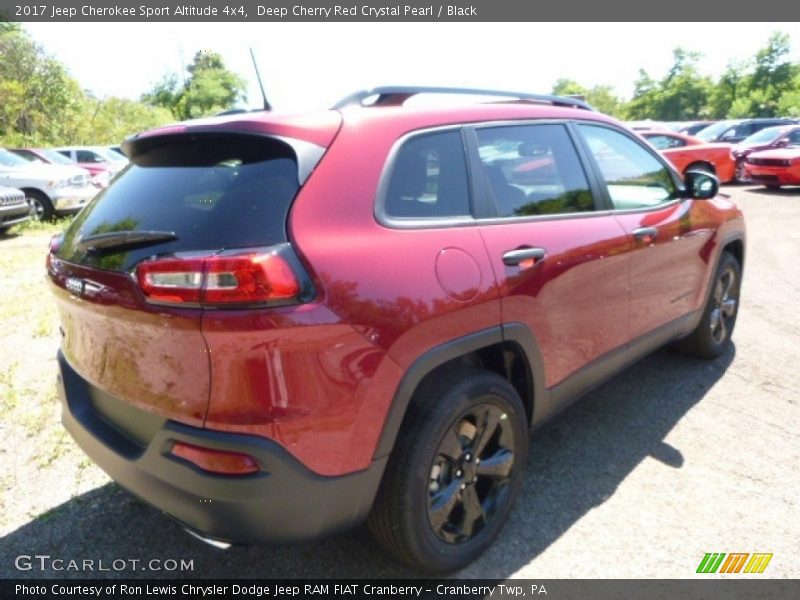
[276,326]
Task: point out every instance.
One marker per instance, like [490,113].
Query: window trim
[482,209]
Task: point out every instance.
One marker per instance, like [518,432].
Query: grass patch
[9,395]
[55,226]
[57,444]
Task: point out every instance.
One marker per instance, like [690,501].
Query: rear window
[212,192]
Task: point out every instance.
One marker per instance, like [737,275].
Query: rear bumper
[284,502]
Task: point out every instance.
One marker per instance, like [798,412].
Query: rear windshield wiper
[124,239]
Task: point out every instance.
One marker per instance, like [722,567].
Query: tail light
[55,246]
[266,276]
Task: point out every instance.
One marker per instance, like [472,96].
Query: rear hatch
[133,273]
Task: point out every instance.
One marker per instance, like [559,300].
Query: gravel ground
[669,460]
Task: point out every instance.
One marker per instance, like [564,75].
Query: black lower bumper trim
[284,502]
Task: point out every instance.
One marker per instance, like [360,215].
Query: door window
[635,178]
[533,170]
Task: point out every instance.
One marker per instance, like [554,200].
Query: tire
[42,207]
[448,489]
[713,333]
[704,167]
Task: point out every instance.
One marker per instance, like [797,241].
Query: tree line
[766,85]
[41,104]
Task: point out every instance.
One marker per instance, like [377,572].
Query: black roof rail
[395,95]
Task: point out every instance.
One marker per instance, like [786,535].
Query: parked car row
[56,181]
[722,147]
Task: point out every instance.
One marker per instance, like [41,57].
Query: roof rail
[395,96]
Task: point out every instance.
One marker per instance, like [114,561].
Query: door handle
[645,234]
[516,257]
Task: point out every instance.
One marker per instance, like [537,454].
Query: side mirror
[782,143]
[701,185]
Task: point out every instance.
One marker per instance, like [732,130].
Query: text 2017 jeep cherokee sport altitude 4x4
[310,320]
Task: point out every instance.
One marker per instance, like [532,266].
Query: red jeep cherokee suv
[276,326]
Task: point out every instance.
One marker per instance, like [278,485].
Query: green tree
[600,97]
[210,88]
[111,120]
[41,104]
[38,98]
[680,95]
[772,76]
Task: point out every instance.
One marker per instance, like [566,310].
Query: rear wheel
[456,468]
[42,207]
[714,331]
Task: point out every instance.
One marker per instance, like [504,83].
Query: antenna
[267,105]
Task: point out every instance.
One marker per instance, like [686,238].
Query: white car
[51,189]
[88,155]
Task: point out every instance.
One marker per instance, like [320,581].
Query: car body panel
[693,151]
[149,357]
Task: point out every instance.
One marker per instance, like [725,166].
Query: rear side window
[429,178]
[533,170]
[212,192]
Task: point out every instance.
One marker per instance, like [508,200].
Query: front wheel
[456,468]
[42,207]
[713,334]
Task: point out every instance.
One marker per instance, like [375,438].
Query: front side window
[635,178]
[533,170]
[429,178]
[794,137]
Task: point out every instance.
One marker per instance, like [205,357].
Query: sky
[312,65]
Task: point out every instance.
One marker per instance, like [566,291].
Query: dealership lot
[669,460]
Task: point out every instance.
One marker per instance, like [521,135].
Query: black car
[735,130]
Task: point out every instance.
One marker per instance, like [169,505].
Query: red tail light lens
[253,277]
[244,279]
[216,461]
